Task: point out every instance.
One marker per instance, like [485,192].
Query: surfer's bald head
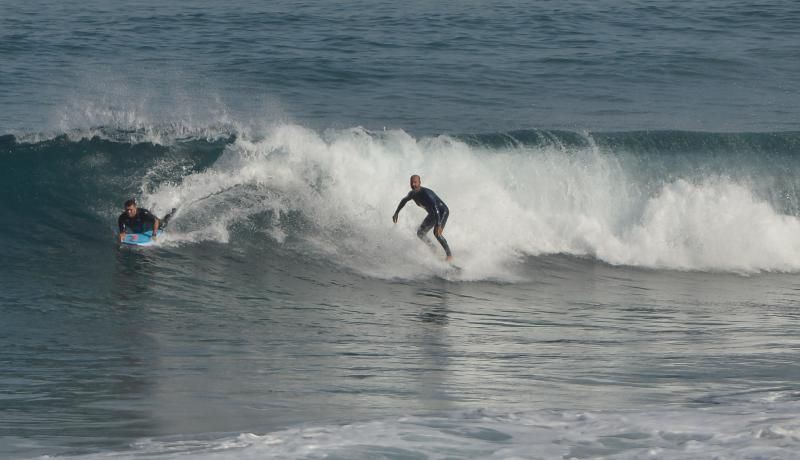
[415,182]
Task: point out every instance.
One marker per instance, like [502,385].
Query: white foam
[746,430]
[504,205]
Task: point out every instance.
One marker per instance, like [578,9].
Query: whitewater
[721,203]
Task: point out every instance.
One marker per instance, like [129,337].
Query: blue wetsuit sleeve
[403,202]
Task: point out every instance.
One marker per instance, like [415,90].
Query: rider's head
[130,207]
[416,182]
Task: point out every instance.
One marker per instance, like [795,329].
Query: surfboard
[141,239]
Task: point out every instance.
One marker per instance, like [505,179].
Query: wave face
[660,200]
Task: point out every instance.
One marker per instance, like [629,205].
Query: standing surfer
[437,213]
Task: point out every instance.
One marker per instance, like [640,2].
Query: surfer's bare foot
[449,258]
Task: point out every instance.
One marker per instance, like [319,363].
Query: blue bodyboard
[141,239]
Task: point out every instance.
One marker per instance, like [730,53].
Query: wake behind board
[141,239]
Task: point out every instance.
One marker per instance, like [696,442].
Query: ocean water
[624,209]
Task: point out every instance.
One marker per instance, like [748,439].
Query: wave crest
[626,199]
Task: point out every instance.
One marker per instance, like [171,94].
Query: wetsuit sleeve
[121,222]
[148,216]
[404,201]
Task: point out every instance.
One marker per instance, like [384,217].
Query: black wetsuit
[437,213]
[143,221]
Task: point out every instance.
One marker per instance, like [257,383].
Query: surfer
[437,213]
[139,220]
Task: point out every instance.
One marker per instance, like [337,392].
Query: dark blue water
[422,67]
[624,203]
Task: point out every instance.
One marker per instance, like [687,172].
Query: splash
[336,191]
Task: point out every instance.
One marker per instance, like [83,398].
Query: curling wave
[663,200]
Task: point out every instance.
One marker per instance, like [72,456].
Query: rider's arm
[150,217]
[402,203]
[121,225]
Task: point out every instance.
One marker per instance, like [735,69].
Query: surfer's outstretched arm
[167,218]
[156,223]
[400,206]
